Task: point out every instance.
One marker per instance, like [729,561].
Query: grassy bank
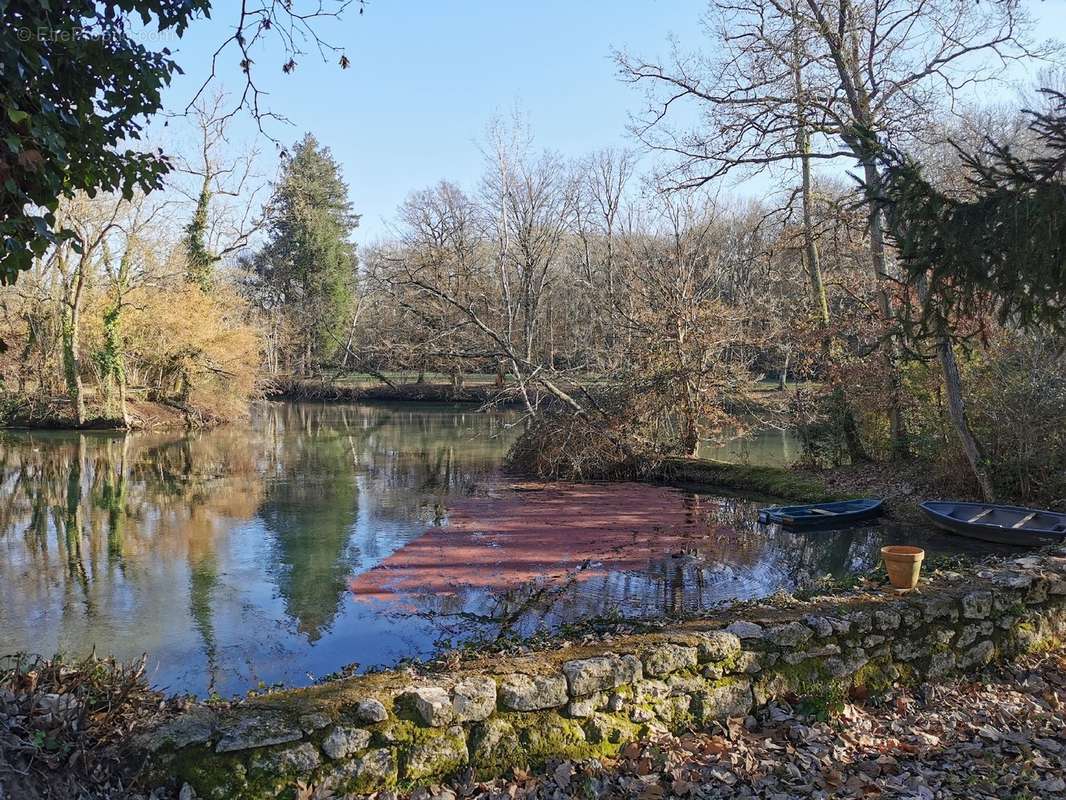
[340,392]
[788,484]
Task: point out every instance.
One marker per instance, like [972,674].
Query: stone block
[431,705]
[520,692]
[718,646]
[587,675]
[344,741]
[256,729]
[977,605]
[436,756]
[474,699]
[663,659]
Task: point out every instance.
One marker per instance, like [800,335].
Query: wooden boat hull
[1016,525]
[822,515]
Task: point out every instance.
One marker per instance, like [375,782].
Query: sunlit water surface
[317,536]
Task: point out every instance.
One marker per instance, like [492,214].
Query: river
[316,537]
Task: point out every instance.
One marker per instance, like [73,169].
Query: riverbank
[56,413]
[901,485]
[330,392]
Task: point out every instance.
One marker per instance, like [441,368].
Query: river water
[316,537]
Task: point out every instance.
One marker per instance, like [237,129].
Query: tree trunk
[71,363]
[957,410]
[782,377]
[897,425]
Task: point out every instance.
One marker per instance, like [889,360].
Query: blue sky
[426,77]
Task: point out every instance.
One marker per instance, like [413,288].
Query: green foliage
[1002,247]
[75,88]
[308,266]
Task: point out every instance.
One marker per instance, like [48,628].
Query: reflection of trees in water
[726,556]
[335,463]
[114,507]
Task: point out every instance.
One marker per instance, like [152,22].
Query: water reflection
[755,444]
[320,535]
[225,553]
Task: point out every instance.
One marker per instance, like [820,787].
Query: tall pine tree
[309,263]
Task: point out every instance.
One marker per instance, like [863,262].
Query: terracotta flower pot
[903,564]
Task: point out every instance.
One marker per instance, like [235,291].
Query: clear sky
[427,76]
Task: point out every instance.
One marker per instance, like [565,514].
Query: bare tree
[223,191]
[871,71]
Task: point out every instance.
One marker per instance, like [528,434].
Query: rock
[494,746]
[906,649]
[886,620]
[1028,562]
[256,729]
[977,605]
[840,626]
[474,699]
[940,665]
[821,626]
[616,703]
[641,715]
[187,792]
[607,729]
[859,621]
[373,770]
[432,705]
[370,711]
[980,655]
[1012,580]
[532,692]
[718,646]
[587,675]
[343,741]
[828,649]
[585,706]
[664,658]
[649,690]
[298,760]
[195,726]
[733,699]
[314,721]
[1038,592]
[791,634]
[970,633]
[938,607]
[437,756]
[745,630]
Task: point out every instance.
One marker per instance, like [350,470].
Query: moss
[214,776]
[436,753]
[546,735]
[772,481]
[609,733]
[495,749]
[877,677]
[818,693]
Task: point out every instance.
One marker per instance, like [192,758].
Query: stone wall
[400,729]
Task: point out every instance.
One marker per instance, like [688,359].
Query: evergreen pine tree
[309,262]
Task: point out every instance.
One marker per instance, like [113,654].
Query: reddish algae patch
[504,541]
